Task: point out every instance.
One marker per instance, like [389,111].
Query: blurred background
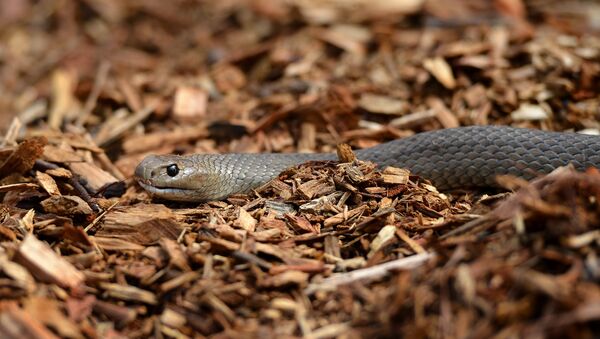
[305,73]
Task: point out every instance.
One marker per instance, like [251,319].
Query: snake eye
[172,170]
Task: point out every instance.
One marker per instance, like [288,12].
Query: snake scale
[451,158]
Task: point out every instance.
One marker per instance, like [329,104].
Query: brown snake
[450,158]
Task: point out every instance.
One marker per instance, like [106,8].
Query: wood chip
[24,157]
[63,84]
[151,141]
[444,116]
[177,257]
[381,104]
[16,323]
[128,292]
[440,69]
[60,173]
[190,103]
[343,217]
[529,112]
[47,183]
[393,175]
[45,265]
[49,313]
[383,237]
[301,225]
[312,188]
[95,178]
[66,205]
[345,154]
[245,221]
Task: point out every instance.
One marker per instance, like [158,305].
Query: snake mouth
[143,178]
[171,193]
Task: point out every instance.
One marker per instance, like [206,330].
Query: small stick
[370,273]
[92,99]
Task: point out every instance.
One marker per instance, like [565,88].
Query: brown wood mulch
[328,249]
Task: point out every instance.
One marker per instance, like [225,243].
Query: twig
[465,227]
[370,273]
[13,132]
[251,258]
[83,193]
[90,103]
[124,125]
[99,217]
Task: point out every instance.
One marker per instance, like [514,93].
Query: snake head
[178,178]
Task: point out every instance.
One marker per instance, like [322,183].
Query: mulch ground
[328,249]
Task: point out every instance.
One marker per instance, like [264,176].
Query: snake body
[451,158]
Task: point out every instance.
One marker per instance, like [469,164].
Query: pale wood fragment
[46,265]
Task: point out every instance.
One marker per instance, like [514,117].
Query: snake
[453,158]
